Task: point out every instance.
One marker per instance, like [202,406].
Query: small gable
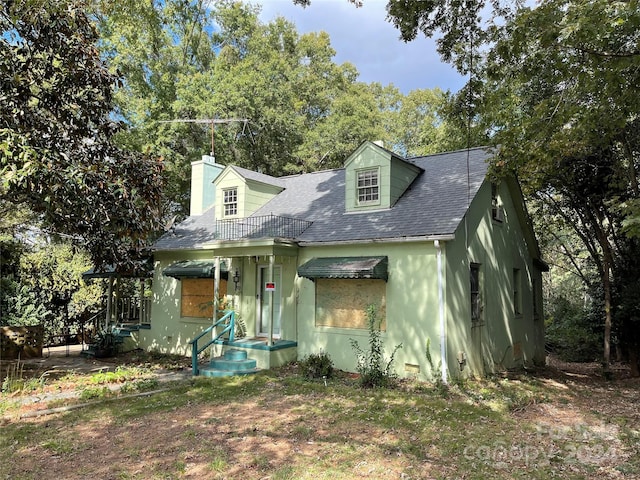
[375,178]
[240,192]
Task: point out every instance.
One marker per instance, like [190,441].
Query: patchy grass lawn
[277,425]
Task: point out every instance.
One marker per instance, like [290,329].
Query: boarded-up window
[342,303]
[197,294]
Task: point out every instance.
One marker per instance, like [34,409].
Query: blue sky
[365,38]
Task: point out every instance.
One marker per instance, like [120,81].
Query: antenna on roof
[210,121]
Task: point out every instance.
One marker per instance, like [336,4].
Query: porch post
[141,306]
[216,289]
[115,310]
[272,260]
[216,294]
[107,319]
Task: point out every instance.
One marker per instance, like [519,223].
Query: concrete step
[233,362]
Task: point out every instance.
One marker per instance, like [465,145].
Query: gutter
[425,238]
[443,331]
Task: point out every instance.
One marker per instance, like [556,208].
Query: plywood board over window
[197,294]
[343,303]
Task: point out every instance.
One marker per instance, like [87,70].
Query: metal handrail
[262,226]
[229,315]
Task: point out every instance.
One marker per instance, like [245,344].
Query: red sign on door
[270,287]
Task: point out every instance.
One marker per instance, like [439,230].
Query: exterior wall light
[236,278]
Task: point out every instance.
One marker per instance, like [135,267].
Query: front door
[263,300]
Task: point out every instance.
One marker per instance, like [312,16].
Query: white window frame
[230,201]
[368,186]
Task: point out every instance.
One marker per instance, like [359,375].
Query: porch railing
[263,226]
[229,322]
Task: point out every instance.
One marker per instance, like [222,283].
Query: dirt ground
[194,439]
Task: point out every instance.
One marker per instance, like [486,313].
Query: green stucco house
[448,258]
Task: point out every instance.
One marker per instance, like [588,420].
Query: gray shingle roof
[258,177]
[434,204]
[193,232]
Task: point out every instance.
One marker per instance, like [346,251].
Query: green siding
[503,339]
[395,176]
[365,157]
[412,307]
[402,175]
[169,333]
[256,195]
[251,194]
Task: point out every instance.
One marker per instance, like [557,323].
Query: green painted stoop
[233,362]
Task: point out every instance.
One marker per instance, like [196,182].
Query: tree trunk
[634,362]
[606,284]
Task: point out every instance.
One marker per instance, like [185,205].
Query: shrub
[371,366]
[572,333]
[317,365]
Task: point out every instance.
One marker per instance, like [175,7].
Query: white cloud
[365,38]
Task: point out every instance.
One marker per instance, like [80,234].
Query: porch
[238,356]
[279,353]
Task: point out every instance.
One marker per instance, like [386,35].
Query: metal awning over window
[195,269]
[345,267]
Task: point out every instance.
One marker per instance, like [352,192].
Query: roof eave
[422,238]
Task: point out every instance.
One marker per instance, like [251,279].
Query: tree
[163,51]
[561,78]
[57,154]
[304,111]
[52,274]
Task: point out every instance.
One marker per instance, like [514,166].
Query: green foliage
[20,306]
[571,332]
[57,154]
[373,370]
[48,289]
[316,365]
[94,393]
[436,370]
[141,385]
[197,60]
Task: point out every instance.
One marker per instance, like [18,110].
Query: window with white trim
[368,186]
[230,201]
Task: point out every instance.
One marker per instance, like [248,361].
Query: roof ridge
[292,175]
[484,147]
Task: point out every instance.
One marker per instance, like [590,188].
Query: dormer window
[367,187]
[230,201]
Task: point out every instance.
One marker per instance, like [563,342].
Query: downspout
[443,331]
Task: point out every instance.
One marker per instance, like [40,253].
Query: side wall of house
[411,306]
[510,331]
